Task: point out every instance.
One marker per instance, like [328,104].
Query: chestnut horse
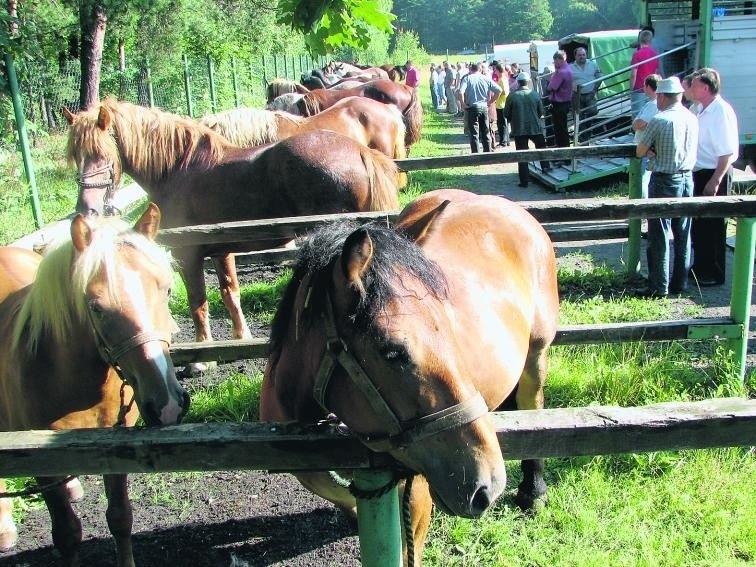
[197,177]
[382,90]
[410,335]
[374,124]
[84,330]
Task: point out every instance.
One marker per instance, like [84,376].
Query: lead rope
[409,537]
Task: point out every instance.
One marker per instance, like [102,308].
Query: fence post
[211,77]
[275,65]
[18,111]
[235,81]
[742,277]
[150,93]
[634,181]
[188,87]
[378,520]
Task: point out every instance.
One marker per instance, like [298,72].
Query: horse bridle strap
[112,354]
[400,434]
[108,184]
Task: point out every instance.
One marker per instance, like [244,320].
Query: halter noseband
[400,434]
[108,184]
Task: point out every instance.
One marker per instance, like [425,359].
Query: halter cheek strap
[400,434]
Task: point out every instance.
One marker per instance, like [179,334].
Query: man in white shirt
[718,147]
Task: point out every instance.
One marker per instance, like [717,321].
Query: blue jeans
[659,231]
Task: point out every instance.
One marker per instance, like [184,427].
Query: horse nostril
[150,414]
[480,502]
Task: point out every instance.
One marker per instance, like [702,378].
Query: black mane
[393,253]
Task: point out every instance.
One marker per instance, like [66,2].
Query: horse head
[375,312]
[92,148]
[126,279]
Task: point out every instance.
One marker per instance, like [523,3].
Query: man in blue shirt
[477,92]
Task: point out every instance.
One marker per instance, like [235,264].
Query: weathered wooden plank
[546,154]
[228,351]
[559,432]
[564,210]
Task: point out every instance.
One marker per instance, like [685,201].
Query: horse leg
[421,506]
[325,485]
[119,517]
[532,489]
[192,273]
[66,527]
[8,533]
[74,489]
[225,267]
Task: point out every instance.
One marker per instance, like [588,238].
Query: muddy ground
[255,518]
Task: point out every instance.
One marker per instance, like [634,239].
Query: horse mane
[392,252]
[248,127]
[56,302]
[154,143]
[278,87]
[310,104]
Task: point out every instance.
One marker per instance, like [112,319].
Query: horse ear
[421,227]
[69,115]
[103,119]
[356,257]
[149,223]
[81,233]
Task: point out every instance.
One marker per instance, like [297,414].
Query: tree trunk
[93,20]
[13,13]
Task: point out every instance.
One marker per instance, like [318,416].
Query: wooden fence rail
[561,432]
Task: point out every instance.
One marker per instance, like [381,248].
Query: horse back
[18,267]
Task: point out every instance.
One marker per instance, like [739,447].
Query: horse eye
[95,307]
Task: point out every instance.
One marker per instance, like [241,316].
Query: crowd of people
[686,136]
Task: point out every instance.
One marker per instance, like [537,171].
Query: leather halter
[400,433]
[108,184]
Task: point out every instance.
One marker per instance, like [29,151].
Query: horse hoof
[8,537]
[196,368]
[529,503]
[75,490]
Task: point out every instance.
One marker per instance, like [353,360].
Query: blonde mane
[149,142]
[250,127]
[56,303]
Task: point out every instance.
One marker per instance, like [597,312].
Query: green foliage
[407,47]
[235,399]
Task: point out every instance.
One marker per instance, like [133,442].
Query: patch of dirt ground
[239,518]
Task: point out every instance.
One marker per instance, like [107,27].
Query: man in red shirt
[412,77]
[644,56]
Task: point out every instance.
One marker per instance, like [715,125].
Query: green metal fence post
[275,66]
[635,180]
[378,520]
[235,81]
[188,87]
[211,77]
[150,92]
[742,280]
[23,139]
[264,70]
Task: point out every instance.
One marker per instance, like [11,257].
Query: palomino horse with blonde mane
[372,123]
[85,332]
[410,335]
[197,177]
[382,90]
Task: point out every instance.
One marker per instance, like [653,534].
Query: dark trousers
[477,125]
[502,126]
[709,235]
[521,143]
[559,112]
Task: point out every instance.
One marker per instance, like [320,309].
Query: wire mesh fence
[195,87]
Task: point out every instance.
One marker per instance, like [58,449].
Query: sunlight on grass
[235,399]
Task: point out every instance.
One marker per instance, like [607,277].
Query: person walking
[477,91]
[560,89]
[718,147]
[524,111]
[671,141]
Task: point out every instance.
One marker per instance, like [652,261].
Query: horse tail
[383,193]
[413,120]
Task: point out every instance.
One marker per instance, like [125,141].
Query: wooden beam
[278,447]
[721,327]
[564,210]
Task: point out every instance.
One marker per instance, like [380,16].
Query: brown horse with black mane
[410,335]
[382,90]
[197,177]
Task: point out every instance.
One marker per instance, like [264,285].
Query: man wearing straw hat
[670,141]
